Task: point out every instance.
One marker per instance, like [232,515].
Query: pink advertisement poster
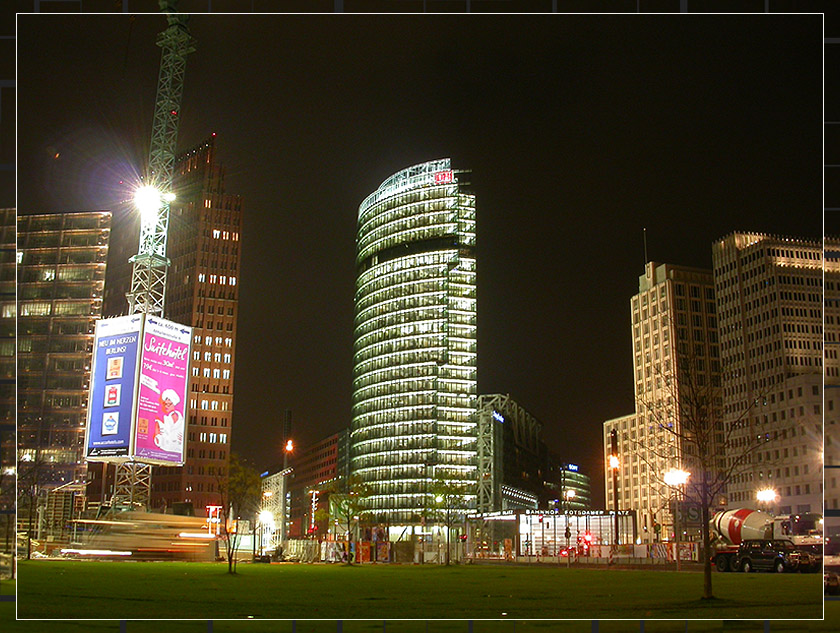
[161,428]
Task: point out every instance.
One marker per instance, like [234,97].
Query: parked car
[777,555]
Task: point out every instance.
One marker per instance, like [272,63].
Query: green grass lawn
[124,590]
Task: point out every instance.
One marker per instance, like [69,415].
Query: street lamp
[676,478]
[568,495]
[614,463]
[766,496]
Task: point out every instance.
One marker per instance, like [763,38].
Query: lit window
[227,358]
[216,233]
[202,277]
[212,279]
[214,405]
[217,357]
[228,342]
[217,373]
[204,404]
[207,372]
[207,356]
[196,355]
[233,281]
[35,308]
[226,374]
[195,371]
[223,280]
[208,340]
[222,438]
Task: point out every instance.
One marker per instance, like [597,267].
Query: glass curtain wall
[414,378]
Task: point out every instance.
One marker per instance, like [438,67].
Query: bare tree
[240,495]
[688,411]
[347,507]
[32,475]
[449,508]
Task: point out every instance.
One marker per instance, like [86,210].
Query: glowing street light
[676,478]
[614,462]
[767,495]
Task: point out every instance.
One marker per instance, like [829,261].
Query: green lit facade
[414,374]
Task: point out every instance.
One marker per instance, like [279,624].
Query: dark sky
[579,131]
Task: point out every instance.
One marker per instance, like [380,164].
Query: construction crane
[148,275]
[132,484]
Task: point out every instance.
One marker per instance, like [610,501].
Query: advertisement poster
[112,395]
[160,434]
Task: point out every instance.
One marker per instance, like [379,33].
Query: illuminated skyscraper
[414,375]
[61,277]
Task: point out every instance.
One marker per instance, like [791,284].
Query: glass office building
[414,375]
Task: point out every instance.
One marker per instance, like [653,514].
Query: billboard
[138,395]
[113,392]
[164,380]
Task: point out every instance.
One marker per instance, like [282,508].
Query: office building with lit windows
[61,276]
[674,323]
[770,301]
[414,374]
[201,291]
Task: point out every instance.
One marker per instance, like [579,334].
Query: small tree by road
[449,507]
[714,451]
[240,496]
[347,508]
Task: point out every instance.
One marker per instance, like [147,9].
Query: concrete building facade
[770,299]
[675,333]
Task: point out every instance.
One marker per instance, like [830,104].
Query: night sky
[579,130]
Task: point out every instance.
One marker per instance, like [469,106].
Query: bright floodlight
[147,199]
[569,494]
[613,461]
[266,517]
[290,446]
[766,494]
[676,477]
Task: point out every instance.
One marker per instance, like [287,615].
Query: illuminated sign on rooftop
[444,177]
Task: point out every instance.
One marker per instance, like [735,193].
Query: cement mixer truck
[730,527]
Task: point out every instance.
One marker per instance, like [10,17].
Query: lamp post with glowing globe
[568,495]
[766,497]
[676,478]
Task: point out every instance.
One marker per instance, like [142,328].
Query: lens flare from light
[148,200]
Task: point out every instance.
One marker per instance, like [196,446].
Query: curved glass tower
[414,375]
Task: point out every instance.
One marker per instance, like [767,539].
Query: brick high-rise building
[202,291]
